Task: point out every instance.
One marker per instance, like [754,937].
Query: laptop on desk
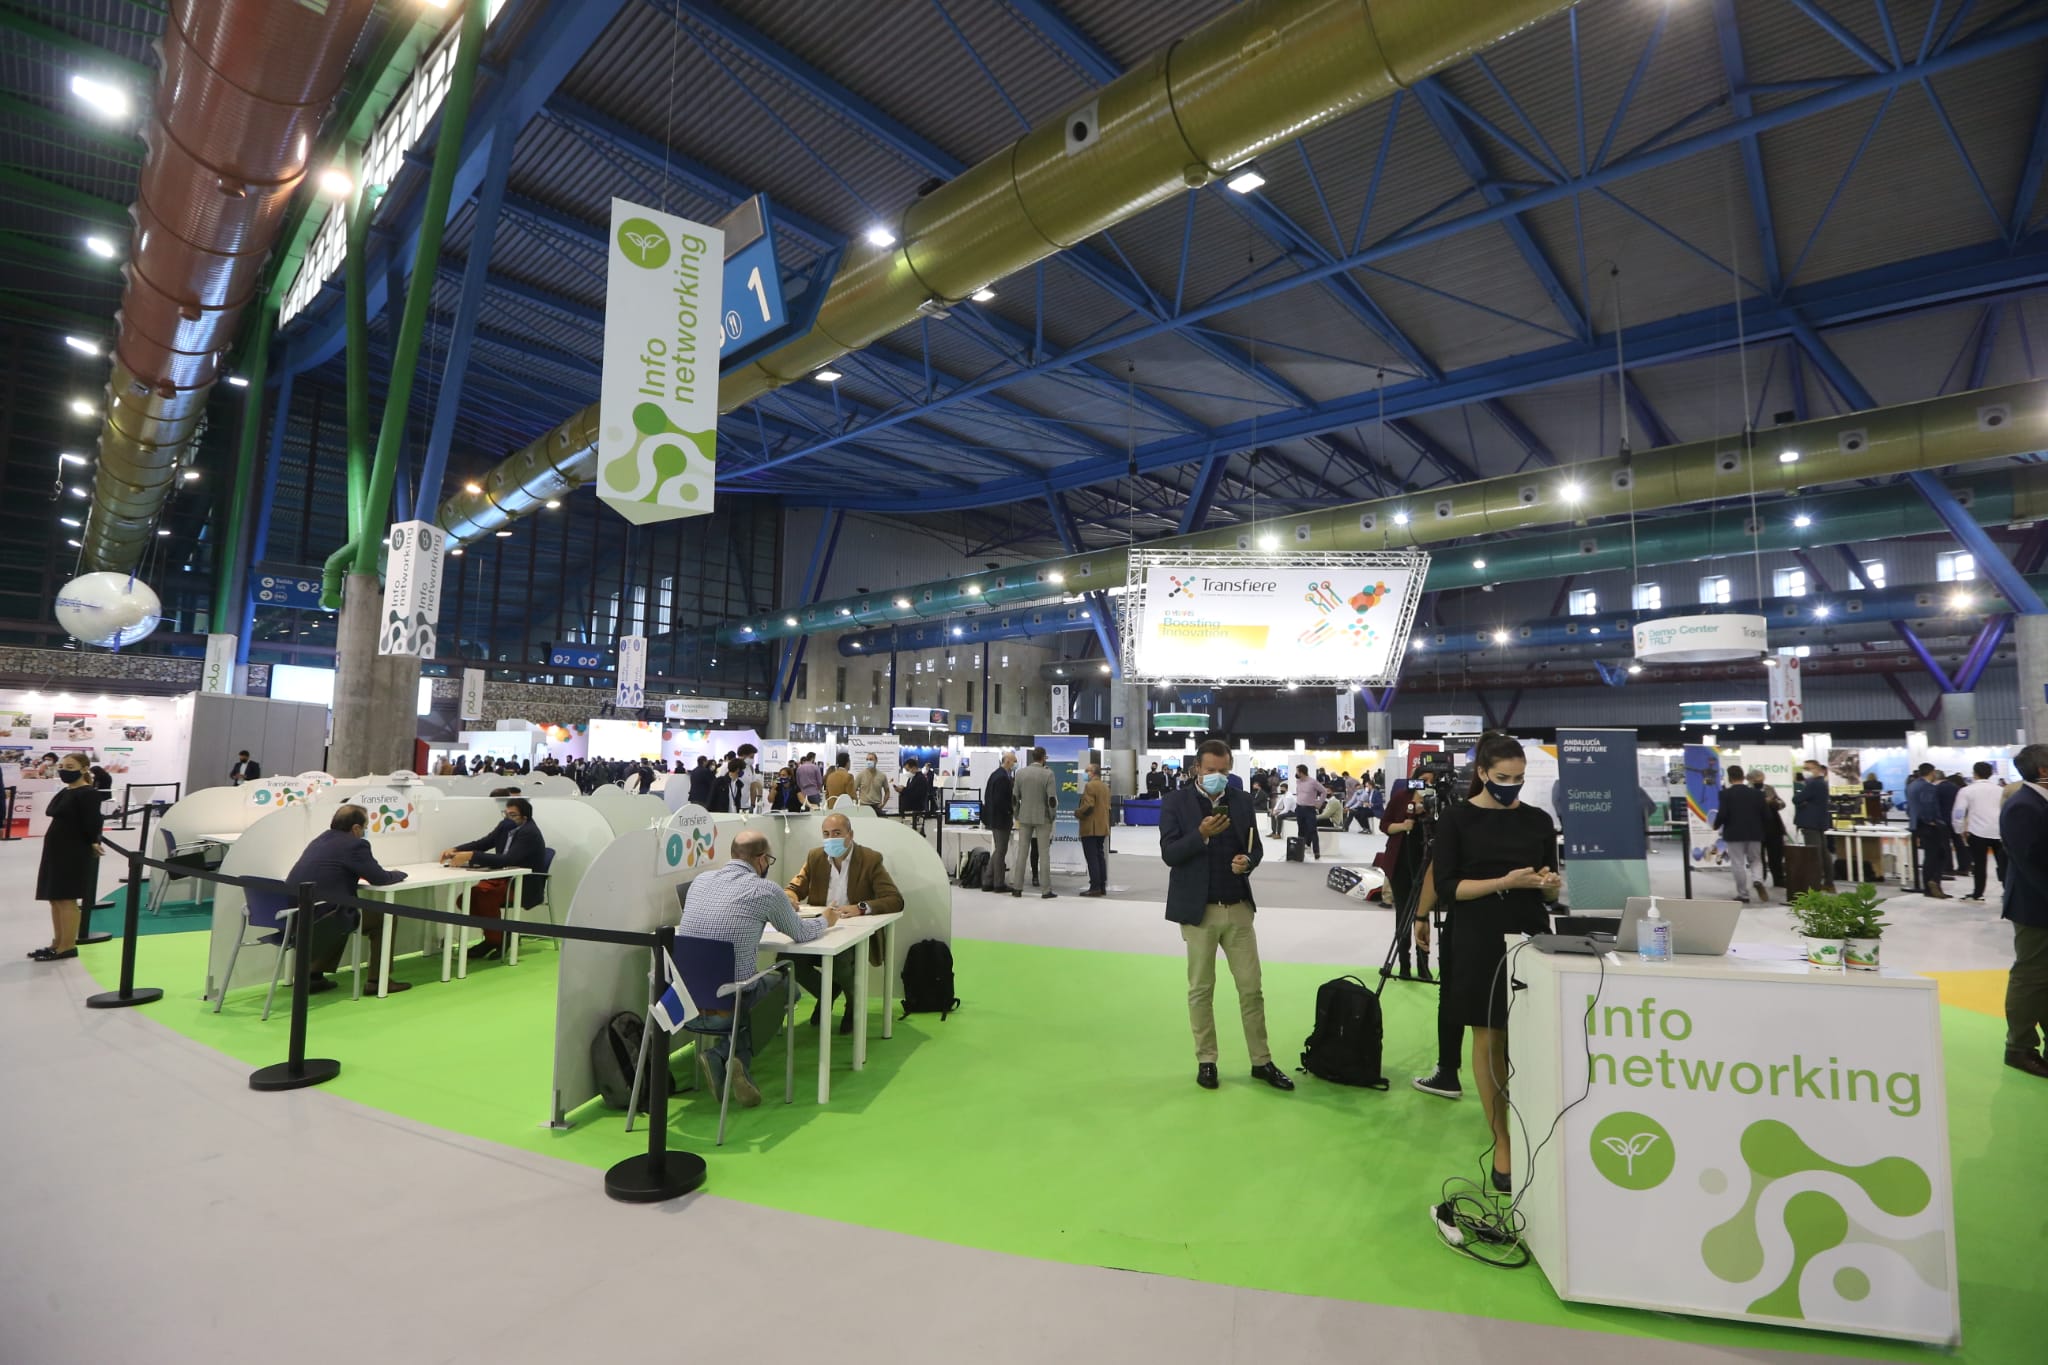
[1698,928]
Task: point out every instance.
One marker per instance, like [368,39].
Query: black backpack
[613,1053]
[928,979]
[1345,1046]
[974,868]
[1296,850]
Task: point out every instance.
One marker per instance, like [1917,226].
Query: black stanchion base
[632,1181]
[114,1000]
[84,939]
[279,1076]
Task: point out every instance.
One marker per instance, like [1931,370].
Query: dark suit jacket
[1810,804]
[335,862]
[998,801]
[510,845]
[1741,817]
[1181,813]
[867,883]
[245,772]
[700,786]
[2023,829]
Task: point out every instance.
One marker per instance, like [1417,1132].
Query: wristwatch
[863,907]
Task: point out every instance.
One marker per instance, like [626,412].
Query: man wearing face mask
[735,902]
[870,788]
[998,817]
[1210,842]
[843,876]
[514,841]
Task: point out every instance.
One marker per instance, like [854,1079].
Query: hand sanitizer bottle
[1653,936]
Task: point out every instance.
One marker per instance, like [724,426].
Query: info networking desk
[1758,1140]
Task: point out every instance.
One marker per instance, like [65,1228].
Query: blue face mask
[1505,793]
[835,849]
[1214,783]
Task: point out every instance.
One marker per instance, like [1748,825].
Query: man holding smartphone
[1210,841]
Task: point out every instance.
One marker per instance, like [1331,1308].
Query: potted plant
[1862,928]
[1823,921]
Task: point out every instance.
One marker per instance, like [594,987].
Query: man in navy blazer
[1210,841]
[514,842]
[2023,828]
[335,863]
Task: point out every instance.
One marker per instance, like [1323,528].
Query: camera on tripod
[1440,790]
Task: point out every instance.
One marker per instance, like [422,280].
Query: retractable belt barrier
[656,1175]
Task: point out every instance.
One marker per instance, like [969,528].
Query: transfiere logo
[644,244]
[1633,1151]
[1182,587]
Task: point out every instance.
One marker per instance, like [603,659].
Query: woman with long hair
[69,872]
[1496,870]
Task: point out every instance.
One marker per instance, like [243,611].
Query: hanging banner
[472,694]
[218,675]
[1788,701]
[1600,807]
[1059,708]
[692,708]
[1347,712]
[632,671]
[1701,639]
[412,588]
[1702,803]
[657,440]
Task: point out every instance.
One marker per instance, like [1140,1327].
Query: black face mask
[70,775]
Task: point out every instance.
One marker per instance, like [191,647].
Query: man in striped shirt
[736,903]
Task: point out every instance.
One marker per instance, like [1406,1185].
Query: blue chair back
[705,964]
[267,903]
[534,886]
[170,840]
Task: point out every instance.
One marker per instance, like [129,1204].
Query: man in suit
[1155,782]
[1037,801]
[700,781]
[999,817]
[2023,830]
[1210,841]
[1924,809]
[915,797]
[245,769]
[1094,815]
[514,842]
[1741,822]
[335,862]
[847,879]
[729,791]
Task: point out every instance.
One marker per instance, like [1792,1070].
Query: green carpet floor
[174,916]
[1055,1116]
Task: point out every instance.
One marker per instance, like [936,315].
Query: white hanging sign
[218,675]
[658,406]
[1347,712]
[1788,701]
[632,671]
[472,694]
[412,588]
[1701,639]
[1059,708]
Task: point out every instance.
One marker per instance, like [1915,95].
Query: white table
[224,838]
[850,933]
[450,885]
[1857,835]
[1708,1103]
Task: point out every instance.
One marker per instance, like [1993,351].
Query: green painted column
[233,576]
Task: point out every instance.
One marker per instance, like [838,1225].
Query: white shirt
[835,887]
[1976,809]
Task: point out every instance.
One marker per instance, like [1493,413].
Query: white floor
[152,1207]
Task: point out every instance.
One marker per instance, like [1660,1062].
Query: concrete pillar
[1379,729]
[2030,635]
[1126,739]
[1957,720]
[376,697]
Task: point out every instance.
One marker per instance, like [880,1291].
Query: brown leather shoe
[2029,1062]
[1935,893]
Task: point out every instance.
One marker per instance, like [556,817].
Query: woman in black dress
[71,851]
[1496,869]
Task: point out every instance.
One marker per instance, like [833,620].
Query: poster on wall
[887,751]
[1702,803]
[1340,619]
[1602,818]
[140,741]
[658,398]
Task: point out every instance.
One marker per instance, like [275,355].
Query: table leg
[512,911]
[829,964]
[450,903]
[860,1005]
[384,956]
[889,981]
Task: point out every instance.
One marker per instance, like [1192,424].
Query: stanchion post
[658,1174]
[298,1071]
[1685,861]
[131,917]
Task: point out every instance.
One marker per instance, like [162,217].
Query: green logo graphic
[1633,1151]
[645,244]
[641,474]
[1816,1220]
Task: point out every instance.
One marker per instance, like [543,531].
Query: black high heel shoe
[52,955]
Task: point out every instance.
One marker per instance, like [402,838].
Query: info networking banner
[1597,800]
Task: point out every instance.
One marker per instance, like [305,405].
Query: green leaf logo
[1633,1151]
[645,244]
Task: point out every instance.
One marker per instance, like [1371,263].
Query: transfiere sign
[657,448]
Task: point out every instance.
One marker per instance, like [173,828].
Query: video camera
[1444,787]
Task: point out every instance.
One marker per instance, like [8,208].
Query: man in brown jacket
[844,876]
[1094,814]
[839,782]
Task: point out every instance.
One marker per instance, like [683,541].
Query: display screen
[963,812]
[294,682]
[621,740]
[1300,621]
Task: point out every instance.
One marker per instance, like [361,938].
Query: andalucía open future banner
[1600,805]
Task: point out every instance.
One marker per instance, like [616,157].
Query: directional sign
[753,296]
[285,590]
[575,656]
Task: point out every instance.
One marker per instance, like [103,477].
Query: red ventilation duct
[245,86]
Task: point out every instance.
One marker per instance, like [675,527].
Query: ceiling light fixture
[1500,637]
[1572,492]
[1635,668]
[456,553]
[1788,457]
[903,604]
[1400,518]
[1821,612]
[76,546]
[100,247]
[336,183]
[502,535]
[983,295]
[974,589]
[1416,643]
[956,630]
[82,345]
[191,476]
[1269,543]
[237,381]
[1802,521]
[1104,668]
[102,97]
[789,621]
[68,458]
[553,503]
[164,532]
[68,521]
[1245,178]
[472,487]
[1961,601]
[81,408]
[1478,563]
[1055,577]
[880,236]
[77,492]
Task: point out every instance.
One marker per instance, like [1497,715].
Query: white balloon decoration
[108,609]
